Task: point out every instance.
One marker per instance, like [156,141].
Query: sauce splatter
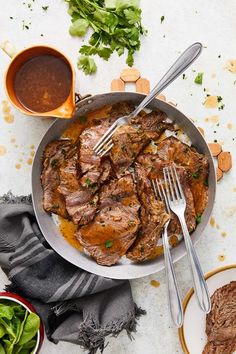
[213,76]
[229,125]
[13,140]
[29,161]
[7,115]
[68,229]
[32,147]
[32,153]
[211,102]
[155,283]
[234,189]
[3,150]
[158,251]
[17,166]
[217,226]
[224,234]
[231,66]
[221,257]
[212,119]
[212,221]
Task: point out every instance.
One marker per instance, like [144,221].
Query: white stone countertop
[210,22]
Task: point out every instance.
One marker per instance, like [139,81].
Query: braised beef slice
[221,321]
[154,167]
[114,228]
[172,149]
[153,217]
[53,159]
[130,139]
[69,172]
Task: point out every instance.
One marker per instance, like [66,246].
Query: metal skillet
[125,269]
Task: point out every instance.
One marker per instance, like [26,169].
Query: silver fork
[105,144]
[175,304]
[177,203]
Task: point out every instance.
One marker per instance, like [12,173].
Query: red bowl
[20,300]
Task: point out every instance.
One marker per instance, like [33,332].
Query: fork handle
[179,66]
[199,281]
[172,286]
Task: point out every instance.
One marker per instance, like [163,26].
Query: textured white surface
[212,23]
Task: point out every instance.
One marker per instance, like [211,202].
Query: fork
[175,304]
[105,144]
[177,203]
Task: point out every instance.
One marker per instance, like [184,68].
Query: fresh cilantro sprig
[116,26]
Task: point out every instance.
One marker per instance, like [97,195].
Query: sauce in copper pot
[43,83]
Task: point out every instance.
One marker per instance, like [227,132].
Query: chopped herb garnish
[11,17]
[55,206]
[220,108]
[87,64]
[219,56]
[82,119]
[54,162]
[198,219]
[45,8]
[142,249]
[198,79]
[139,130]
[41,35]
[219,99]
[88,182]
[108,243]
[196,175]
[184,76]
[117,198]
[215,140]
[162,18]
[131,223]
[206,182]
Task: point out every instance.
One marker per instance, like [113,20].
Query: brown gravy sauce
[43,83]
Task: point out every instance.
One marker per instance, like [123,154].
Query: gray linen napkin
[75,306]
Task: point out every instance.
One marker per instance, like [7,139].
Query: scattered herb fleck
[54,162]
[219,56]
[11,17]
[198,79]
[87,64]
[184,76]
[55,206]
[87,181]
[196,175]
[41,35]
[108,243]
[162,18]
[206,182]
[45,8]
[142,248]
[198,219]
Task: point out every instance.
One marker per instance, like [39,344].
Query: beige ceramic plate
[192,334]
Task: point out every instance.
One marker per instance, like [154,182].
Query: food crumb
[3,150]
[32,153]
[17,166]
[13,140]
[29,161]
[155,283]
[212,221]
[173,240]
[224,234]
[229,125]
[32,147]
[221,257]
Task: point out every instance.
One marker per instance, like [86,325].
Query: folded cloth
[75,306]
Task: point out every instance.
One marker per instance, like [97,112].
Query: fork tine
[166,185]
[175,184]
[169,183]
[108,148]
[164,196]
[104,139]
[179,184]
[153,182]
[159,191]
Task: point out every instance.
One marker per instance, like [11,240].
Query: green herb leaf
[87,64]
[79,27]
[45,8]
[87,182]
[162,18]
[108,243]
[2,350]
[196,175]
[198,79]
[54,162]
[206,182]
[2,332]
[198,219]
[6,311]
[30,329]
